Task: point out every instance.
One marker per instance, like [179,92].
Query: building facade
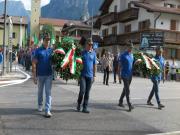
[19,31]
[124,20]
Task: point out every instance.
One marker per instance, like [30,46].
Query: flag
[52,39]
[36,41]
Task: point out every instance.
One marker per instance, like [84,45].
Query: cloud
[27,3]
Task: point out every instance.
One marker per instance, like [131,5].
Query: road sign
[95,45]
[152,39]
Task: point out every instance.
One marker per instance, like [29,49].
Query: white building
[124,20]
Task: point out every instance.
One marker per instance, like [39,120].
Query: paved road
[18,115]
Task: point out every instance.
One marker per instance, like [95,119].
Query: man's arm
[34,62]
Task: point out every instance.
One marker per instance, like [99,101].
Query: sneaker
[150,103]
[85,111]
[121,105]
[48,114]
[130,108]
[40,108]
[78,107]
[160,106]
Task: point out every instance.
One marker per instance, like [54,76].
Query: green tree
[48,28]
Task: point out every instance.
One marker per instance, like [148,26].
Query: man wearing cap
[42,74]
[87,76]
[157,78]
[125,67]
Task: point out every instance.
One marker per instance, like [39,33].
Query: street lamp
[4,41]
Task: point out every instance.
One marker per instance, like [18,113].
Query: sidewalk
[11,76]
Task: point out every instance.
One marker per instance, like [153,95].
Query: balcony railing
[110,40]
[172,37]
[128,15]
[109,18]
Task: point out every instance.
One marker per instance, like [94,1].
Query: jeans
[155,90]
[106,76]
[126,90]
[45,82]
[85,86]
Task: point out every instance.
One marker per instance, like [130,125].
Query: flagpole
[4,41]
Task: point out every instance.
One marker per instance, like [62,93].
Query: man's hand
[35,80]
[138,61]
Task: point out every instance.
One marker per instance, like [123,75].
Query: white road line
[168,133]
[13,82]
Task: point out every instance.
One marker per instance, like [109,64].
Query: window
[127,28]
[173,25]
[144,25]
[168,5]
[115,8]
[13,35]
[114,30]
[178,6]
[105,32]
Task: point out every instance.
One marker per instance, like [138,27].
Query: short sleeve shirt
[44,62]
[161,61]
[126,60]
[89,59]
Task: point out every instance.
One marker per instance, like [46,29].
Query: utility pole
[4,41]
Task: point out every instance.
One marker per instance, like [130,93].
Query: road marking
[13,82]
[168,133]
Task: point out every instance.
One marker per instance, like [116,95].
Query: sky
[27,3]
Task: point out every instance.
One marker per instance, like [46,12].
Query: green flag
[52,39]
[36,41]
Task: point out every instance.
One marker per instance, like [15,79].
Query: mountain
[70,9]
[14,8]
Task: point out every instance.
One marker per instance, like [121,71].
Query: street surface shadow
[145,106]
[18,111]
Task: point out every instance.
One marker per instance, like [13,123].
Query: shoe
[150,103]
[78,107]
[48,114]
[114,82]
[160,106]
[40,108]
[121,105]
[130,108]
[107,84]
[85,111]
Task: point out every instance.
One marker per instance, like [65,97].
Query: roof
[16,20]
[54,22]
[153,8]
[105,4]
[75,24]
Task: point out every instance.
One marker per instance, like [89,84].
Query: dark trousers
[115,73]
[106,76]
[155,90]
[85,86]
[126,90]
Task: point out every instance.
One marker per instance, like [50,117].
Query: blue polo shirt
[44,63]
[89,59]
[161,61]
[126,60]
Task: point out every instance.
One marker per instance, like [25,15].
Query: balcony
[109,18]
[110,40]
[170,37]
[128,15]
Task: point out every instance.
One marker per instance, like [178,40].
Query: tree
[48,28]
